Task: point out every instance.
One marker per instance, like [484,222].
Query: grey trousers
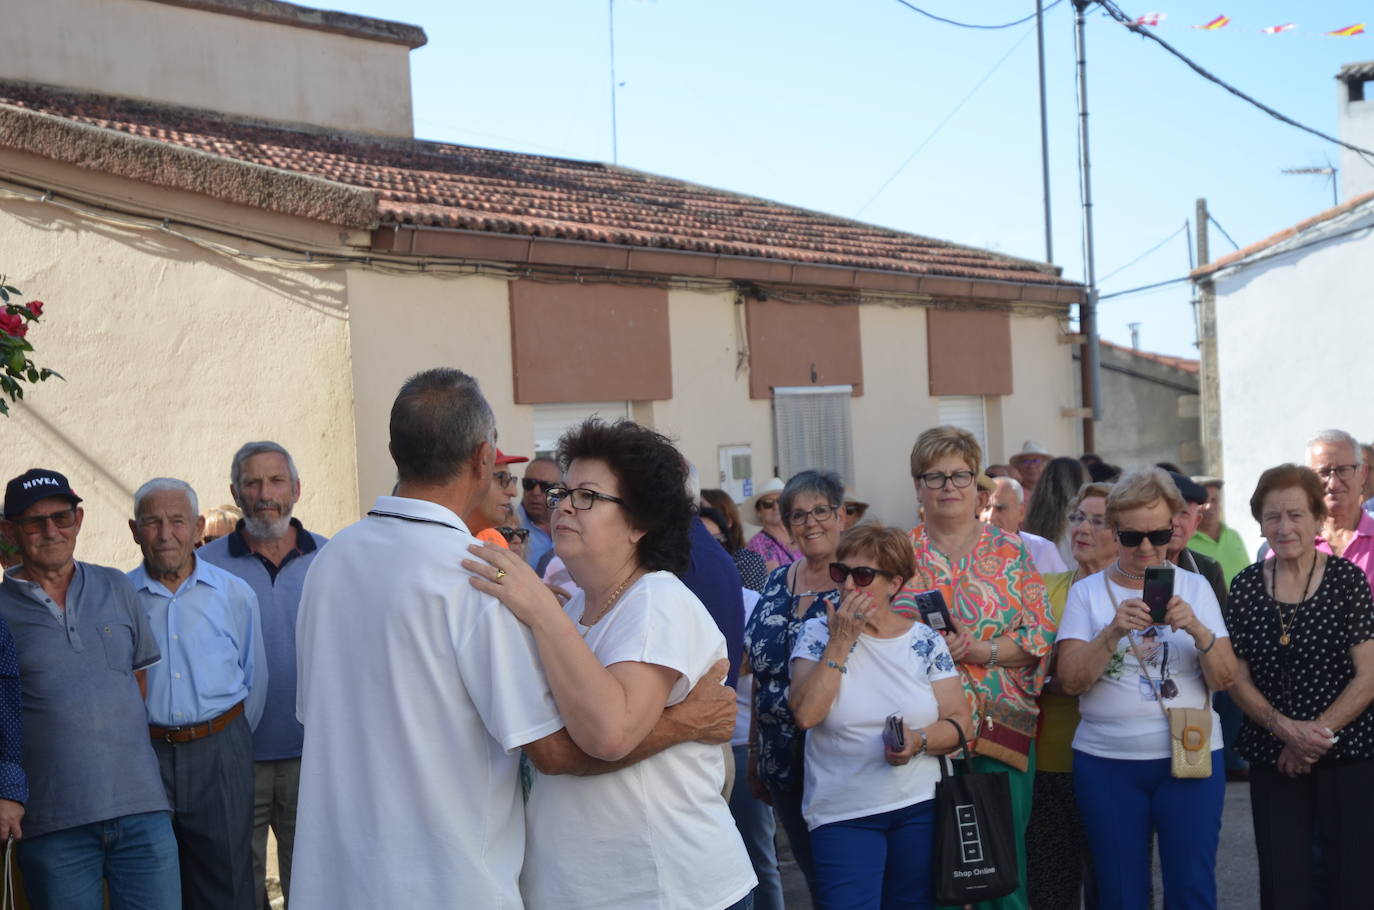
[276,788]
[210,785]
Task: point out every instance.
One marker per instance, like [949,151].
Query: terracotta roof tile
[1179,363]
[430,184]
[1287,233]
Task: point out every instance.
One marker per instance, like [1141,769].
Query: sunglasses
[503,478]
[854,511]
[767,504]
[1158,537]
[529,483]
[863,575]
[513,534]
[36,524]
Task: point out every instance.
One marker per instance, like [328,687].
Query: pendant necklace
[610,602]
[1284,639]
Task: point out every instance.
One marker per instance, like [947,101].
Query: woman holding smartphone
[1124,665]
[869,797]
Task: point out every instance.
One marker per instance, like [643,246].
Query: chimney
[1135,335]
[1355,116]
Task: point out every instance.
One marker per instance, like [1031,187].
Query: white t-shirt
[1120,713]
[1043,553]
[657,834]
[847,775]
[415,691]
[744,690]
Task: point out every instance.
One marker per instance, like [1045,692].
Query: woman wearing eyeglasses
[1056,849]
[774,542]
[656,833]
[793,594]
[1003,630]
[870,802]
[1122,747]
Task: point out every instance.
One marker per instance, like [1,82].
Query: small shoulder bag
[1190,729]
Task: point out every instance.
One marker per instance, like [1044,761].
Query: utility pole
[1044,128]
[1209,381]
[1087,310]
[615,134]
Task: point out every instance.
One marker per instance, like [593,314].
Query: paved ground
[1237,876]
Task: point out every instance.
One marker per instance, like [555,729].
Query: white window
[812,429]
[553,420]
[737,471]
[967,412]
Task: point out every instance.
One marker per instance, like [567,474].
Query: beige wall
[158,52]
[173,358]
[1042,374]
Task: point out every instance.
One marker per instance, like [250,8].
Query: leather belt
[195,731]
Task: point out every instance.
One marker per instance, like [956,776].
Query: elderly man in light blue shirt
[204,698]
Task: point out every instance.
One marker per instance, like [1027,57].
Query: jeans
[754,818]
[744,903]
[878,862]
[136,855]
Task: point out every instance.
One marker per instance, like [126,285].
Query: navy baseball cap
[33,485]
[1190,491]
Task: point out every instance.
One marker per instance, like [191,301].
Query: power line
[1115,12]
[950,116]
[1161,243]
[1146,287]
[930,15]
[1217,225]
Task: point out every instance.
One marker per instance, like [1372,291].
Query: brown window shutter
[803,344]
[969,352]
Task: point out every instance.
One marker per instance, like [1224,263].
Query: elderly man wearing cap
[1030,464]
[1214,537]
[1185,523]
[774,542]
[494,509]
[97,812]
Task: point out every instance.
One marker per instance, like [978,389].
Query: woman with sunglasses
[1002,627]
[811,501]
[1056,850]
[870,800]
[632,642]
[1121,749]
[774,542]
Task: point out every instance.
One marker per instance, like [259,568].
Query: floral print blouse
[772,549]
[994,591]
[772,633]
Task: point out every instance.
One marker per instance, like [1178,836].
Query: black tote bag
[975,837]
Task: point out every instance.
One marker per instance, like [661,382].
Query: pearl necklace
[1126,574]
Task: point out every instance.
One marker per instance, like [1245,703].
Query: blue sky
[818,105]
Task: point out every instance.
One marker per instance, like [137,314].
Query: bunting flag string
[1156,20]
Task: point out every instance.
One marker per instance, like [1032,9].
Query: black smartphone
[934,612]
[1159,589]
[894,734]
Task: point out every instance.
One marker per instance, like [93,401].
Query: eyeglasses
[513,534]
[1097,521]
[797,517]
[863,575]
[1343,471]
[529,483]
[767,504]
[936,481]
[1158,537]
[503,478]
[854,511]
[582,498]
[35,524]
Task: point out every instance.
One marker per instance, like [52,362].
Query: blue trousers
[1121,800]
[878,862]
[136,855]
[754,819]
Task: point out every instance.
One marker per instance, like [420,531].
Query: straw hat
[771,488]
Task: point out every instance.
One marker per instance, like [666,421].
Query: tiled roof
[440,185]
[1363,70]
[1244,253]
[1185,364]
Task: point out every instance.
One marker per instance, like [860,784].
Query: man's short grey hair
[1013,483]
[165,485]
[262,447]
[1335,437]
[438,422]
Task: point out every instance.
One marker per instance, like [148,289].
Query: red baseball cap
[503,458]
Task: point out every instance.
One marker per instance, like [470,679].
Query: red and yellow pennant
[1348,31]
[1218,22]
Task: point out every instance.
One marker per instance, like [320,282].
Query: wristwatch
[992,654]
[920,731]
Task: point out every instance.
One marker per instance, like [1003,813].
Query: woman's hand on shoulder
[1132,615]
[509,579]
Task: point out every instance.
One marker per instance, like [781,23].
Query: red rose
[36,308]
[11,324]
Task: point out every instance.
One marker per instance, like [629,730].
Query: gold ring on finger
[500,574]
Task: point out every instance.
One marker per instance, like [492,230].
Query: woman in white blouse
[656,833]
[869,805]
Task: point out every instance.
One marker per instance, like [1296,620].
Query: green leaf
[5,294]
[32,374]
[17,360]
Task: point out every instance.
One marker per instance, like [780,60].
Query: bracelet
[840,667]
[925,741]
[992,657]
[1210,645]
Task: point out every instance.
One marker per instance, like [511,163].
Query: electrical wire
[930,15]
[1217,225]
[1161,243]
[948,117]
[1116,13]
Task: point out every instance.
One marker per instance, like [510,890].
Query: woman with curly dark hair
[634,641]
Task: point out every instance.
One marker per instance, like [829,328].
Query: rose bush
[16,366]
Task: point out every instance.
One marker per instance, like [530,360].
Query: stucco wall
[158,52]
[1043,377]
[1149,413]
[1291,358]
[173,358]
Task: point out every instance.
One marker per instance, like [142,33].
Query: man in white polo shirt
[416,690]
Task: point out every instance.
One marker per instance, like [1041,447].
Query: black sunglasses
[529,483]
[512,534]
[863,575]
[1158,537]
